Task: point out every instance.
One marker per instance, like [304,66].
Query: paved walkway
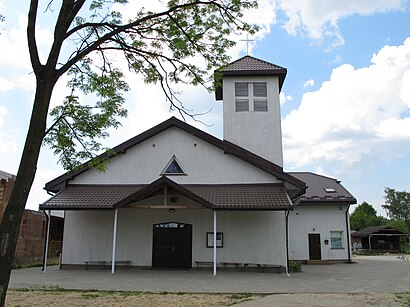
[365,275]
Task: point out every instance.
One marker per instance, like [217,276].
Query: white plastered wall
[259,132]
[317,219]
[248,236]
[202,162]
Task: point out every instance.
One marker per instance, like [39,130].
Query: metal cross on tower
[247,40]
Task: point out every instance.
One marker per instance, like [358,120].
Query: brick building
[30,245]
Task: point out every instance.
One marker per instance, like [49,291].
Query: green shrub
[295,266]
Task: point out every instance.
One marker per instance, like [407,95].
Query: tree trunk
[13,214]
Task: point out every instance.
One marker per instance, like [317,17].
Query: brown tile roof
[244,196]
[316,189]
[228,148]
[248,66]
[251,64]
[89,197]
[228,196]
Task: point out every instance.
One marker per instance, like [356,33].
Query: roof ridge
[319,175]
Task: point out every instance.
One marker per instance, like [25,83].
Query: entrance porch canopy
[165,193]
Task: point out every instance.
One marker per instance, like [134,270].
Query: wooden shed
[378,238]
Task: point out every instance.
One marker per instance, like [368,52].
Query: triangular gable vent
[173,168]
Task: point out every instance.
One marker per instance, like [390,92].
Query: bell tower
[251,108]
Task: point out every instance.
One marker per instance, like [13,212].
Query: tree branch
[68,11]
[31,36]
[92,47]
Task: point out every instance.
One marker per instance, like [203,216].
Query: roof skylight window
[330,190]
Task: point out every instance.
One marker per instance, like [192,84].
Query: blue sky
[345,101]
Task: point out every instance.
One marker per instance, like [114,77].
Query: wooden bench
[226,265]
[200,264]
[94,262]
[121,263]
[262,266]
[107,264]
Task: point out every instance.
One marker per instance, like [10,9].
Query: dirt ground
[107,298]
[59,297]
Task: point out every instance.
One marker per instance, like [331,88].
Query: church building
[175,196]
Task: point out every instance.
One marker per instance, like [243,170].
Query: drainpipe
[214,260]
[348,234]
[287,243]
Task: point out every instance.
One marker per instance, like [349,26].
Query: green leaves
[182,42]
[397,205]
[364,216]
[78,127]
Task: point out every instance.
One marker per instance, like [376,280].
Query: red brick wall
[30,245]
[6,186]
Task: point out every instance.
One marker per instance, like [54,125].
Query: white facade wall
[253,237]
[258,132]
[202,162]
[317,219]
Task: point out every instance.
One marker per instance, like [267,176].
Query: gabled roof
[248,66]
[323,189]
[158,186]
[229,148]
[383,229]
[268,196]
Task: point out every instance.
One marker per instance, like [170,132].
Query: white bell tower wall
[255,126]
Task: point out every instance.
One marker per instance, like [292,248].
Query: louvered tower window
[255,93]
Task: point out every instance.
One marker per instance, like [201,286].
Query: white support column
[47,239]
[214,242]
[114,241]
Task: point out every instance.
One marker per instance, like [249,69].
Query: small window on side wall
[336,239]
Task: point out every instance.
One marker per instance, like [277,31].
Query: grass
[50,261]
[239,298]
[405,296]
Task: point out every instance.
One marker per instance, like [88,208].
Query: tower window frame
[251,96]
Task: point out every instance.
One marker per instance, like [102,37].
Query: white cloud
[264,16]
[15,66]
[283,98]
[355,113]
[7,144]
[3,112]
[37,194]
[309,83]
[318,19]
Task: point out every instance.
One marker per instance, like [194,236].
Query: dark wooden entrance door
[172,246]
[314,247]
